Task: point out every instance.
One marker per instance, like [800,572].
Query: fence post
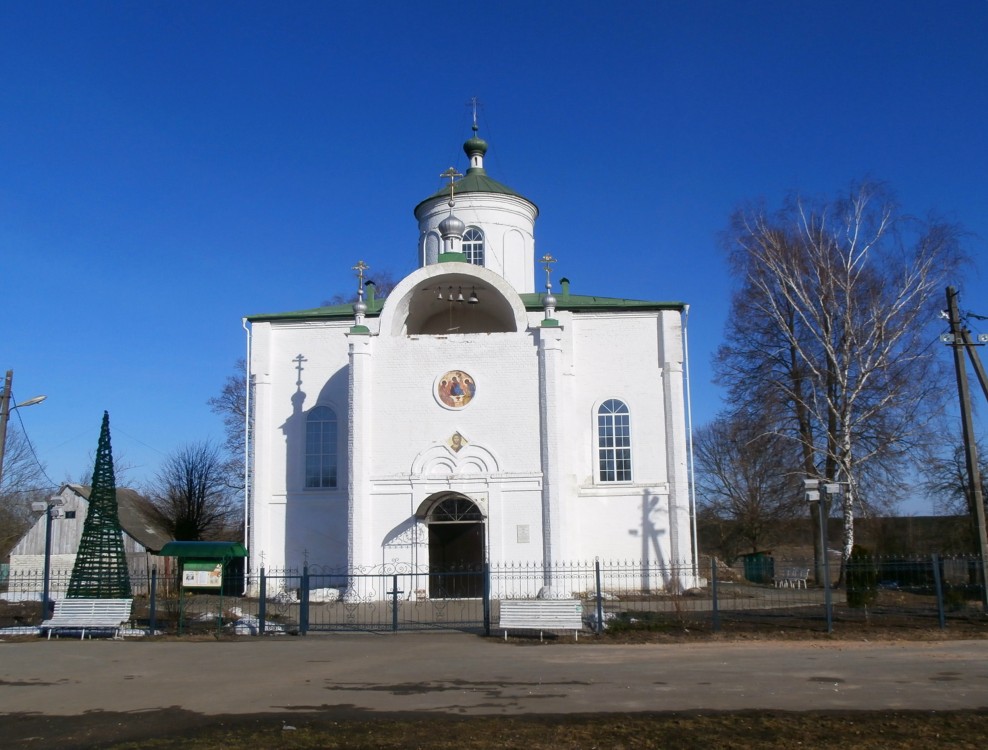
[714,607]
[262,604]
[303,609]
[153,601]
[599,597]
[487,599]
[181,605]
[938,585]
[827,599]
[394,602]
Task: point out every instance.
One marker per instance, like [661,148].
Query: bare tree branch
[833,316]
[191,493]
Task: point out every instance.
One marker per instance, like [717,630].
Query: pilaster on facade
[676,462]
[359,443]
[551,402]
[262,444]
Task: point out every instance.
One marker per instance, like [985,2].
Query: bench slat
[88,614]
[792,578]
[541,614]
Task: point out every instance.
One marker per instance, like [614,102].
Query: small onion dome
[549,301]
[475,145]
[360,307]
[451,227]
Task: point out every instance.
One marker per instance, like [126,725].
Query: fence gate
[393,598]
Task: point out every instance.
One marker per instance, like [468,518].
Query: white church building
[469,417]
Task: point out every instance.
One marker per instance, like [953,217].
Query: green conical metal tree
[100,570]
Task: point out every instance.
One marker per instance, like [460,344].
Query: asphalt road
[466,675]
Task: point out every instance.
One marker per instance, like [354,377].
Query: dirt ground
[339,728]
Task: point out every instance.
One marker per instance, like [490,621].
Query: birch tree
[833,318]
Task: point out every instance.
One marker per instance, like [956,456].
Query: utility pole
[5,409]
[959,341]
[4,416]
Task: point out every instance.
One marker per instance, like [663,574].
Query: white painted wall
[508,223]
[604,355]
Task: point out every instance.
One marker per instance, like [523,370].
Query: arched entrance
[456,548]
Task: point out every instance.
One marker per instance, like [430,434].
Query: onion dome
[475,146]
[451,227]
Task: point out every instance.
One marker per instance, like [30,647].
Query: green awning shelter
[214,566]
[204,550]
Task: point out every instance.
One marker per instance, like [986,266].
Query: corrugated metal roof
[138,517]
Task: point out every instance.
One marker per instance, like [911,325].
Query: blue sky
[169,167]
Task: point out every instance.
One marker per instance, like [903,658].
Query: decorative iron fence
[759,593]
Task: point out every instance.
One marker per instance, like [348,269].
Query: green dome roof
[476,179]
[475,144]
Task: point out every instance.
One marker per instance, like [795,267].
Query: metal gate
[393,598]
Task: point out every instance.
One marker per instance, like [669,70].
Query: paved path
[463,674]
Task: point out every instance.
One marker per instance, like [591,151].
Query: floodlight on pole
[813,494]
[51,511]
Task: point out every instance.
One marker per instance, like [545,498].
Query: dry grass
[766,730]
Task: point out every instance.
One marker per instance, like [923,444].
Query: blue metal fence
[899,592]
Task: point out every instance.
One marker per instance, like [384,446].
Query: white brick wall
[632,356]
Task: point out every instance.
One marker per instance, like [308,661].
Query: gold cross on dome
[547,261]
[360,268]
[450,174]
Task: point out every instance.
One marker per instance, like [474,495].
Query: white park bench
[541,615]
[88,615]
[792,578]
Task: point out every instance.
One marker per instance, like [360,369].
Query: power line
[30,445]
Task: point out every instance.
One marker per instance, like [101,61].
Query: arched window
[473,246]
[455,510]
[614,441]
[320,448]
[432,245]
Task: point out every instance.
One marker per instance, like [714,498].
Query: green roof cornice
[587,303]
[330,312]
[474,181]
[532,302]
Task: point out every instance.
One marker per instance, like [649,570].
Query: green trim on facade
[452,258]
[589,303]
[330,312]
[475,181]
[532,302]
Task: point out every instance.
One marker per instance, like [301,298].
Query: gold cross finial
[547,261]
[360,268]
[451,174]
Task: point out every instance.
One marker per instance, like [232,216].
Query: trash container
[759,567]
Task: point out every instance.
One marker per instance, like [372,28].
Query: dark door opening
[456,560]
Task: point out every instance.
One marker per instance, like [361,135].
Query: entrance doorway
[456,549]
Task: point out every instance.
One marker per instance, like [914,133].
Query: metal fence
[757,594]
